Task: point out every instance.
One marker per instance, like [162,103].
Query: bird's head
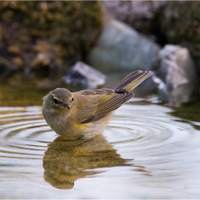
[58,100]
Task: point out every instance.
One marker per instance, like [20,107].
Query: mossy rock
[66,30]
[179,23]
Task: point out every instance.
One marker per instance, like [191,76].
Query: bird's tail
[132,80]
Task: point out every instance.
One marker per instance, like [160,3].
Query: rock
[162,89]
[179,23]
[120,47]
[175,75]
[81,76]
[138,14]
[50,28]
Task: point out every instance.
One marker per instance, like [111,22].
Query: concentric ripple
[23,140]
[21,130]
[145,153]
[167,148]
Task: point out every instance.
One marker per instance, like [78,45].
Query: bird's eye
[55,100]
[72,99]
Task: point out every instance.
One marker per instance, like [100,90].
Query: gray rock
[175,75]
[120,47]
[81,76]
[138,14]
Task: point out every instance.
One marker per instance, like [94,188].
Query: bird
[86,113]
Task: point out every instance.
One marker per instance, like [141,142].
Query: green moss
[180,22]
[68,28]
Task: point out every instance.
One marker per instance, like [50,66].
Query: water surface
[147,151]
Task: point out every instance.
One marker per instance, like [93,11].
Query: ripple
[146,150]
[167,147]
[20,131]
[150,128]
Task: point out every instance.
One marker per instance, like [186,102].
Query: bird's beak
[66,105]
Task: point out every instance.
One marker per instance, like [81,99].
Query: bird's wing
[101,102]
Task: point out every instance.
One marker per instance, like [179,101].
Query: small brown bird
[86,113]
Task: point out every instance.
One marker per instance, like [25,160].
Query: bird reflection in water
[65,161]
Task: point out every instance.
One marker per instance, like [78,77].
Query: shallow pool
[145,152]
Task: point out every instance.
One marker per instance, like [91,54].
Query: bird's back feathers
[101,102]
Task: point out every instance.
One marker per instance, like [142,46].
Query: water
[146,151]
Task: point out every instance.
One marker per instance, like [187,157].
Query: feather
[102,103]
[132,80]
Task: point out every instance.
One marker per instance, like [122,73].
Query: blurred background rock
[41,40]
[138,14]
[166,22]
